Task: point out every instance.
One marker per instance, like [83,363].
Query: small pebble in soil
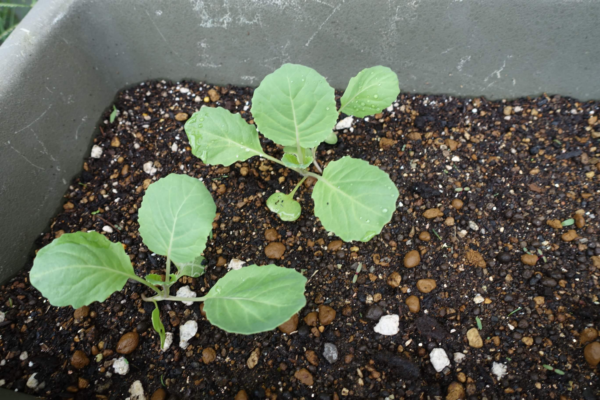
[529,259]
[186,332]
[499,370]
[424,236]
[413,303]
[588,335]
[388,325]
[290,325]
[326,315]
[32,382]
[592,354]
[433,213]
[374,312]
[168,341]
[394,279]
[457,204]
[439,359]
[275,250]
[121,366]
[474,338]
[242,395]
[330,352]
[426,285]
[459,357]
[185,291]
[311,319]
[456,391]
[412,259]
[128,343]
[136,391]
[208,355]
[159,394]
[304,377]
[79,359]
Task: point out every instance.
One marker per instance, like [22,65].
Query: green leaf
[558,371]
[176,217]
[113,114]
[294,106]
[479,324]
[568,222]
[255,299]
[285,206]
[80,268]
[369,92]
[192,268]
[157,279]
[220,137]
[548,367]
[291,160]
[158,325]
[354,199]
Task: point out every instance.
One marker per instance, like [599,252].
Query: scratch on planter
[25,158]
[165,39]
[497,72]
[462,62]
[35,120]
[324,22]
[79,126]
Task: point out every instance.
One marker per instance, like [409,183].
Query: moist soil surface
[514,165]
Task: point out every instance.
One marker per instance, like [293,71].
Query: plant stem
[144,282]
[172,298]
[315,162]
[296,188]
[302,172]
[167,285]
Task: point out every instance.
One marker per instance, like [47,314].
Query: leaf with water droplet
[285,206]
[378,83]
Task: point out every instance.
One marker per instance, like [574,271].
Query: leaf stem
[302,172]
[172,298]
[296,188]
[144,282]
[167,284]
[315,162]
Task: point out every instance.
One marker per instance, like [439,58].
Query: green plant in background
[295,107]
[175,220]
[9,17]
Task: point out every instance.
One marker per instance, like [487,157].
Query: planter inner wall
[63,65]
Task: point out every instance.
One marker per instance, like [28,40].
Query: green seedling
[568,222]
[175,220]
[113,114]
[479,324]
[295,107]
[514,311]
[551,368]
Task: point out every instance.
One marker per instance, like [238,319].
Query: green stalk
[167,284]
[144,282]
[296,188]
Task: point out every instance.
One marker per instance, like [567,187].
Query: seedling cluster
[295,107]
[175,220]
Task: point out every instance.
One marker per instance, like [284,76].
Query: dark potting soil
[524,161]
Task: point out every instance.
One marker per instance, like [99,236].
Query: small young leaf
[113,114]
[80,268]
[255,299]
[568,222]
[158,325]
[192,268]
[369,92]
[354,199]
[479,324]
[219,137]
[548,367]
[332,138]
[285,206]
[176,217]
[294,106]
[558,371]
[291,160]
[157,279]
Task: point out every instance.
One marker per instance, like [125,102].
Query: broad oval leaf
[157,280]
[219,137]
[354,199]
[255,299]
[192,268]
[176,217]
[285,206]
[291,160]
[79,268]
[158,325]
[369,92]
[294,106]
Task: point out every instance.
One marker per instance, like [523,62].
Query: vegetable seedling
[175,220]
[295,107]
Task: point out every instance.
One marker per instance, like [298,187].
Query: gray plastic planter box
[63,65]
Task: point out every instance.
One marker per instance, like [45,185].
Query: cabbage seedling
[175,220]
[295,107]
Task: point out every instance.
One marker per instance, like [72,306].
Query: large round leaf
[255,299]
[369,92]
[80,268]
[220,137]
[354,199]
[294,106]
[176,217]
